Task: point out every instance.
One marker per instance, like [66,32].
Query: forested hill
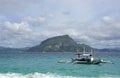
[62,43]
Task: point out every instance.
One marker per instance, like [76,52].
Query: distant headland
[62,43]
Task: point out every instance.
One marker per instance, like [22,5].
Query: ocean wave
[48,75]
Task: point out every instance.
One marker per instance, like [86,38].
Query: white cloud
[16,27]
[17,35]
[35,20]
[104,33]
[107,19]
[81,19]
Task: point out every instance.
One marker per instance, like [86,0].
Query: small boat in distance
[85,58]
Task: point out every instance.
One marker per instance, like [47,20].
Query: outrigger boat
[85,59]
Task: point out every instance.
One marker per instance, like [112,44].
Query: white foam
[39,75]
[35,75]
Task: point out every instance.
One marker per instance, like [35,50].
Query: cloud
[106,33]
[35,21]
[39,19]
[103,33]
[17,35]
[28,22]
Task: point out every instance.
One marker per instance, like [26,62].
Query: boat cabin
[84,57]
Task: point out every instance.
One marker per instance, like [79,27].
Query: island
[62,43]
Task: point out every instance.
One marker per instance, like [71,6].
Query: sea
[46,65]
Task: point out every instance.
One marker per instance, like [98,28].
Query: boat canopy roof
[86,54]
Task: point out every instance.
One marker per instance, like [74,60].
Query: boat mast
[91,51]
[78,54]
[84,51]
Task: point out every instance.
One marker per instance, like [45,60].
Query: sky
[25,23]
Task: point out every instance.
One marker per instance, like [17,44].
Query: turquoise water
[45,65]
